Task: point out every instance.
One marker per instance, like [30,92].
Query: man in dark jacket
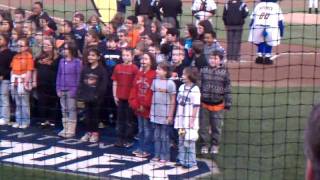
[122,4]
[234,14]
[171,8]
[38,13]
[143,7]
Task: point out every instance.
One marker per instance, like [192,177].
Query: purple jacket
[68,76]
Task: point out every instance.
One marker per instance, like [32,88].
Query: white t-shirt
[184,112]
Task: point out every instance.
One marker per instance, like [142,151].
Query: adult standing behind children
[46,73]
[143,7]
[37,13]
[216,97]
[234,14]
[6,57]
[170,8]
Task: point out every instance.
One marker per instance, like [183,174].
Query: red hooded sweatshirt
[141,93]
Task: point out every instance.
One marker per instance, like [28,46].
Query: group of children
[160,87]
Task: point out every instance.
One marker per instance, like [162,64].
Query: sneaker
[204,150]
[155,159]
[162,161]
[68,135]
[136,138]
[119,144]
[15,125]
[188,166]
[177,164]
[101,125]
[143,154]
[24,126]
[214,149]
[62,132]
[3,122]
[267,60]
[46,123]
[128,144]
[86,137]
[137,151]
[94,137]
[259,60]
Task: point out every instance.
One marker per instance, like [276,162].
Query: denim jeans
[162,141]
[22,101]
[4,100]
[68,106]
[145,134]
[210,122]
[187,153]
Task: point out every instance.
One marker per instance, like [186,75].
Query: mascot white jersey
[266,28]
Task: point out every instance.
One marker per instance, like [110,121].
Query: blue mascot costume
[266,29]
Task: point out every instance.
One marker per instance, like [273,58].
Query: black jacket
[200,61]
[235,13]
[143,7]
[171,8]
[46,74]
[44,15]
[93,83]
[5,61]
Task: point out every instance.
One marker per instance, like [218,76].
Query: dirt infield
[302,18]
[294,66]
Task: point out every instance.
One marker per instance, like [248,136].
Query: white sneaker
[3,122]
[23,126]
[15,125]
[214,149]
[86,137]
[62,132]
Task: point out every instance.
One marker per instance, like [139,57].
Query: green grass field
[263,134]
[19,173]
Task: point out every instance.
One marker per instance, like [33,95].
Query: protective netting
[222,91]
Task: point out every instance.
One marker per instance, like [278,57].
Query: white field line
[274,57]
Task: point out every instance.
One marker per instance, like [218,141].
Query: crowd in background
[156,82]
